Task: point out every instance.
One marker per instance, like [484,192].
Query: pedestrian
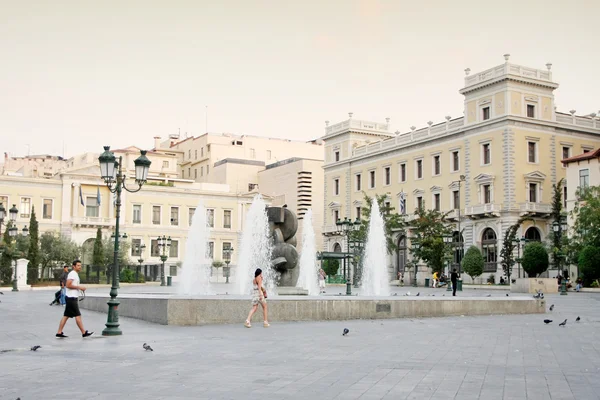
[63,284]
[454,280]
[259,295]
[435,279]
[322,280]
[72,302]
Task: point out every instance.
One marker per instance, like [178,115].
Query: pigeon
[418,294]
[2,293]
[147,347]
[489,295]
[346,331]
[34,348]
[578,319]
[395,294]
[563,323]
[506,294]
[552,307]
[547,321]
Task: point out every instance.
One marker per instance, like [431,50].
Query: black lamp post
[346,227]
[112,173]
[416,245]
[141,249]
[558,228]
[227,258]
[12,232]
[520,242]
[164,247]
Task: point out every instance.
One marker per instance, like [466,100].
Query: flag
[81,197]
[402,203]
[98,196]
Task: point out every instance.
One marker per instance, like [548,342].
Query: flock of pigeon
[548,321]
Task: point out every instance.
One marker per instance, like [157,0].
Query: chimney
[156,142]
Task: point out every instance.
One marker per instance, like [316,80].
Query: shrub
[472,263]
[535,259]
[595,284]
[331,266]
[589,263]
[127,276]
[491,279]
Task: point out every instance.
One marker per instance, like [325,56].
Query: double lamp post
[12,232]
[346,227]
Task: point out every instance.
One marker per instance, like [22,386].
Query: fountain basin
[227,309]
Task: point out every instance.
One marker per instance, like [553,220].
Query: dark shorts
[72,307]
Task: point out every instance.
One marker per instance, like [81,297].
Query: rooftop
[582,157]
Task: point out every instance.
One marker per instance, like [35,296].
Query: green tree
[109,254]
[429,228]
[57,250]
[558,242]
[589,264]
[472,263]
[586,220]
[535,259]
[331,266]
[393,222]
[33,253]
[98,259]
[508,247]
[8,246]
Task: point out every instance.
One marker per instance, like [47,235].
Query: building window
[136,250]
[207,168]
[584,178]
[91,207]
[195,173]
[530,110]
[564,196]
[371,179]
[227,219]
[25,209]
[252,153]
[387,173]
[201,152]
[533,192]
[47,209]
[531,152]
[489,250]
[419,169]
[4,202]
[210,217]
[173,270]
[336,187]
[165,164]
[137,214]
[189,154]
[195,154]
[486,157]
[487,194]
[485,113]
[358,213]
[403,172]
[358,182]
[336,216]
[154,251]
[336,156]
[201,171]
[156,215]
[586,150]
[436,201]
[191,212]
[174,249]
[455,161]
[419,202]
[436,165]
[189,173]
[175,216]
[566,152]
[455,199]
[210,250]
[226,246]
[268,154]
[387,207]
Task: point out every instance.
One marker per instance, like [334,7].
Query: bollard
[169,280]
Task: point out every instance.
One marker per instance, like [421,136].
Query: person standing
[322,281]
[454,280]
[63,285]
[72,302]
[435,279]
[258,297]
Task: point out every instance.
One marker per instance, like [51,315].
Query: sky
[77,75]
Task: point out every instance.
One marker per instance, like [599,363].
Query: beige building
[298,183]
[75,202]
[38,166]
[508,145]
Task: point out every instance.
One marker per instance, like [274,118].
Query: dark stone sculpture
[283,226]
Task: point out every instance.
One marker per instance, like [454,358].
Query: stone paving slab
[483,357]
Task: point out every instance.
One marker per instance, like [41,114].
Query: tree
[430,228]
[57,250]
[589,264]
[109,254]
[393,222]
[331,266]
[558,241]
[472,263]
[535,259]
[33,253]
[508,247]
[586,222]
[6,258]
[98,254]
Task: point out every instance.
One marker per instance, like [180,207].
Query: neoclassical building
[508,147]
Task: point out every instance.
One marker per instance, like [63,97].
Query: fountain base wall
[226,310]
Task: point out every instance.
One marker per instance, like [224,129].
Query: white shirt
[74,276]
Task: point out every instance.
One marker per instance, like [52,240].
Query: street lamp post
[357,249]
[112,173]
[558,228]
[416,246]
[461,179]
[141,249]
[346,227]
[227,257]
[164,246]
[12,232]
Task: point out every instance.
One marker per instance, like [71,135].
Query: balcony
[537,209]
[483,210]
[490,267]
[93,222]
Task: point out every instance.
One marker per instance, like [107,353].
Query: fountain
[195,271]
[255,250]
[375,281]
[308,267]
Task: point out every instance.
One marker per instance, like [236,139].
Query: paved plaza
[485,357]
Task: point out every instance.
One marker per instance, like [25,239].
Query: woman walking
[321,281]
[259,295]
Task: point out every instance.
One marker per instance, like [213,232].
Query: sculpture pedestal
[291,291]
[21,265]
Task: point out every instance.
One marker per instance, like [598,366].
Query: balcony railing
[93,221]
[542,208]
[482,209]
[490,266]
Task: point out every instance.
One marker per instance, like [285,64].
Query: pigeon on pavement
[147,347]
[34,348]
[578,319]
[489,295]
[506,294]
[2,293]
[547,321]
[552,307]
[563,323]
[346,331]
[418,294]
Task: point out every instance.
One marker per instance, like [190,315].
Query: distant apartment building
[38,166]
[508,146]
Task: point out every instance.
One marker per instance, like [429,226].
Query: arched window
[533,234]
[402,256]
[489,248]
[337,248]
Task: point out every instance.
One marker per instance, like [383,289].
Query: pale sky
[90,73]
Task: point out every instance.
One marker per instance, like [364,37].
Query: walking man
[72,303]
[454,280]
[63,285]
